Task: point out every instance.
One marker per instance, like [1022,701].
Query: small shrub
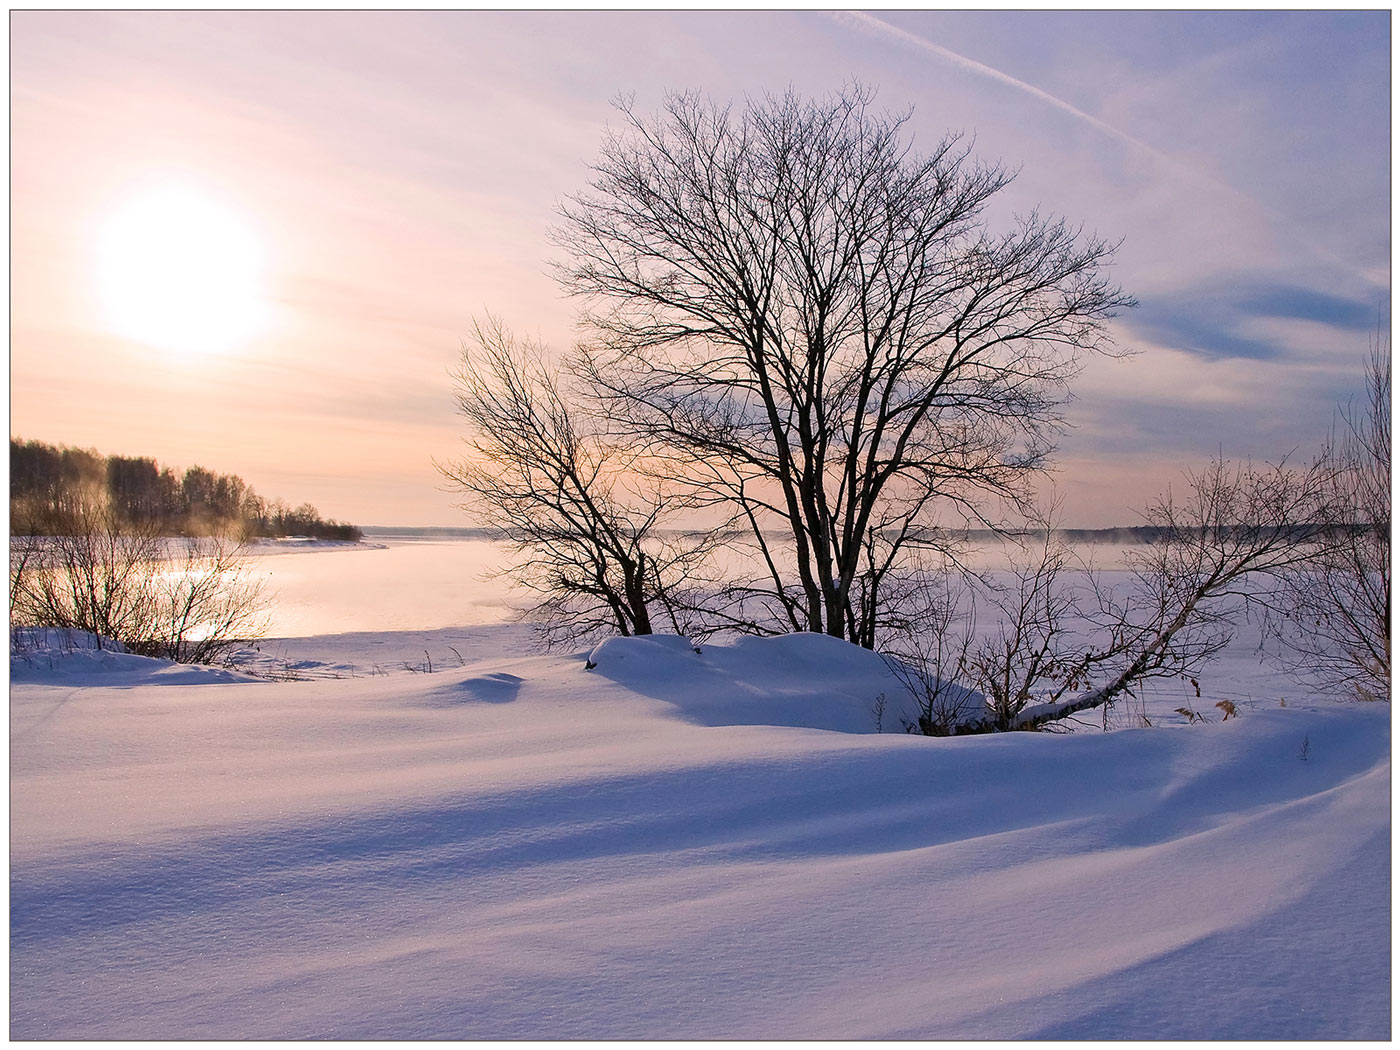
[877,708]
[192,601]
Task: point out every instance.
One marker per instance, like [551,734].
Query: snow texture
[674,844]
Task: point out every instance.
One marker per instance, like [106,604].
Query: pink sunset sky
[254,240]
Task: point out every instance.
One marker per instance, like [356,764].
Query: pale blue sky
[400,170]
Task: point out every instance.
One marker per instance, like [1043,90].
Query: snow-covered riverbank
[664,847]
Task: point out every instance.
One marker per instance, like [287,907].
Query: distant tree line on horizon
[51,487]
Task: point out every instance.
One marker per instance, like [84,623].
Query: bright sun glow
[178,271]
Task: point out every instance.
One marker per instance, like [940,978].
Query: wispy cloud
[1220,320]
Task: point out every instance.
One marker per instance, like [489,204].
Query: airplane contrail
[864,22]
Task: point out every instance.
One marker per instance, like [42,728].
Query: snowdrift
[81,658]
[813,681]
[679,844]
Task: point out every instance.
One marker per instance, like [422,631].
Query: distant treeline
[51,487]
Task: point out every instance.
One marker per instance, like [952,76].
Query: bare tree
[577,504]
[1058,646]
[1333,610]
[816,325]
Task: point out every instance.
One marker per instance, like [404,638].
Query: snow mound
[803,680]
[496,688]
[640,650]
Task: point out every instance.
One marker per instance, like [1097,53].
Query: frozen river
[386,584]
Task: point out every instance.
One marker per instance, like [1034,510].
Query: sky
[255,241]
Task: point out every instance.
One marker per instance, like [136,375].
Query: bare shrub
[1056,648]
[187,600]
[96,576]
[1333,610]
[207,603]
[1029,654]
[930,656]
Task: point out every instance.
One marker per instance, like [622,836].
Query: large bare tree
[818,327]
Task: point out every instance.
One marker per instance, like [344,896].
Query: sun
[179,271]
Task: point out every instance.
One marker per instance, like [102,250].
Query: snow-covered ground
[671,844]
